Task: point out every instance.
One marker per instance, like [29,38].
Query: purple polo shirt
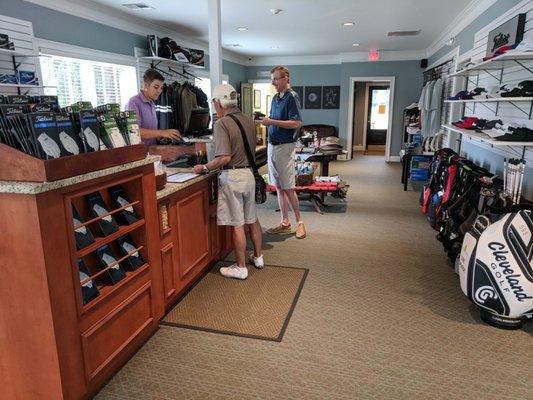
[146,115]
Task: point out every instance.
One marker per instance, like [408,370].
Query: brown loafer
[300,231]
[280,229]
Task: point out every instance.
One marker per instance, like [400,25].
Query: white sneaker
[258,262]
[233,271]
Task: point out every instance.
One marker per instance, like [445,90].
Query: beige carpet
[259,307]
[381,316]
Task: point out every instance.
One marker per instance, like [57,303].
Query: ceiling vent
[138,6]
[404,33]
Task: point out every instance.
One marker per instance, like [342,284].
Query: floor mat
[258,307]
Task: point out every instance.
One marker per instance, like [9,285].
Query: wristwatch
[205,170]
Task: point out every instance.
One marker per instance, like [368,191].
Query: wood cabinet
[190,238]
[55,344]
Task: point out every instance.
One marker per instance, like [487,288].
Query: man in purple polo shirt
[144,107]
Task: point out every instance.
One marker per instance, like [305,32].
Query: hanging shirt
[146,114]
[284,108]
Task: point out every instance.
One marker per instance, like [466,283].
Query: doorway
[377,118]
[370,115]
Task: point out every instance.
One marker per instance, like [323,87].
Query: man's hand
[198,168]
[266,121]
[170,134]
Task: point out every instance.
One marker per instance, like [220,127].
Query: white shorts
[236,197]
[281,171]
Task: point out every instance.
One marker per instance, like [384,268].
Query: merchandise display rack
[133,189]
[158,60]
[497,63]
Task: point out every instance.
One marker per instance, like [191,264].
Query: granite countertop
[171,188]
[41,187]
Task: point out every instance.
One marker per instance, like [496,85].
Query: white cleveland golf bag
[496,271]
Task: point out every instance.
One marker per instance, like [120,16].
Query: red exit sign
[373,55]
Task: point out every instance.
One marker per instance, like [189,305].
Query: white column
[215,48]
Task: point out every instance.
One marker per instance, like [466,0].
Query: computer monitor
[199,122]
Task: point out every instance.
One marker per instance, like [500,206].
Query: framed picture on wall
[300,92]
[331,97]
[257,99]
[268,100]
[313,97]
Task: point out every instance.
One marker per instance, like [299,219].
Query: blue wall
[408,84]
[65,28]
[309,75]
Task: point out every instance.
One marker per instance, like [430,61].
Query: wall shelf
[484,138]
[492,100]
[172,62]
[16,85]
[497,63]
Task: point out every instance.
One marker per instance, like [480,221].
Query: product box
[83,235]
[27,78]
[128,246]
[90,131]
[108,259]
[122,124]
[107,224]
[133,128]
[9,79]
[420,175]
[113,108]
[18,99]
[43,107]
[110,134]
[70,140]
[119,195]
[89,291]
[46,136]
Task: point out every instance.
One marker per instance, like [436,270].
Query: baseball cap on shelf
[224,92]
[522,134]
[462,95]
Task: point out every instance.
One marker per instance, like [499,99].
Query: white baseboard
[394,159]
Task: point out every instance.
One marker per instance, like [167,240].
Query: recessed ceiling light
[355,44]
[349,23]
[138,6]
[242,28]
[275,10]
[274,47]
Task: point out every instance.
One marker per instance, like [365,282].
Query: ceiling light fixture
[233,45]
[355,44]
[138,6]
[274,47]
[242,28]
[349,23]
[275,10]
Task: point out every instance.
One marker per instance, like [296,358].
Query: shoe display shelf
[61,343]
[481,137]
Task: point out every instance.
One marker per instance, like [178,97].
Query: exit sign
[373,55]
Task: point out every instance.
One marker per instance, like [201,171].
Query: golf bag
[496,268]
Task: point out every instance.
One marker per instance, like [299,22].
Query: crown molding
[108,16]
[328,59]
[473,10]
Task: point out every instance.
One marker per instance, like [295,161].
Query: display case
[78,299]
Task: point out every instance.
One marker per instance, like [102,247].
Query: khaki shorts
[236,197]
[281,165]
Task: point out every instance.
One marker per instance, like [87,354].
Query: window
[76,80]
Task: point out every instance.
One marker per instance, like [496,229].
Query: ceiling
[305,27]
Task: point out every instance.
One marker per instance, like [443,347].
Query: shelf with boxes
[108,231]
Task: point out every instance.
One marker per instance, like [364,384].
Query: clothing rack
[438,71]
